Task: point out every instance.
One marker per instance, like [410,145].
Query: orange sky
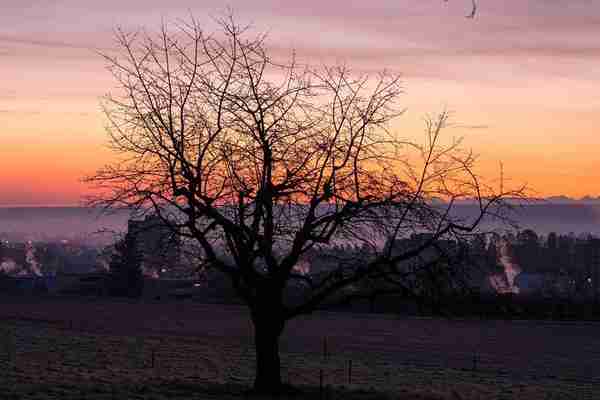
[522,79]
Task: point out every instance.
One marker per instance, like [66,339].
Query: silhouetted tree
[482,255]
[125,269]
[49,257]
[552,257]
[527,252]
[552,241]
[492,254]
[260,161]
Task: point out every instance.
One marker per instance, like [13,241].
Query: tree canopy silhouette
[259,161]
[125,269]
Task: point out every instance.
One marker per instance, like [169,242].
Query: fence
[66,350]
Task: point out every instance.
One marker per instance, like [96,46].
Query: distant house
[94,284]
[61,284]
[530,283]
[26,285]
[79,284]
[547,285]
[165,289]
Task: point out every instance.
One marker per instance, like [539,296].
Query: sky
[521,79]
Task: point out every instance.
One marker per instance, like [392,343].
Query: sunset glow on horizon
[521,80]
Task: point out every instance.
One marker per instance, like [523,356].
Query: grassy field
[57,349]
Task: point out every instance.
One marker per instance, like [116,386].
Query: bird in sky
[474,10]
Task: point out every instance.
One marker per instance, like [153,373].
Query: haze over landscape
[94,226]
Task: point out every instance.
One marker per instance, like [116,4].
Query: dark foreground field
[97,349]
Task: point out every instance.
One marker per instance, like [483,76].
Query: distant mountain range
[569,200]
[551,200]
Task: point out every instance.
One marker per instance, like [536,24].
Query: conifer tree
[126,278]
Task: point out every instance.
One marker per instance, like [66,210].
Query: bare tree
[261,162]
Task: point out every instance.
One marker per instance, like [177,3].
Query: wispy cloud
[20,112]
[463,126]
[40,42]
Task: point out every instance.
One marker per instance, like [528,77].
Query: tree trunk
[267,331]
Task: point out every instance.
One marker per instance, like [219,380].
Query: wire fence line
[60,349]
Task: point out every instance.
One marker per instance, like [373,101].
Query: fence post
[321,383]
[350,372]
